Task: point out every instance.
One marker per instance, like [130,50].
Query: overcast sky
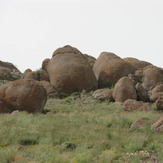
[30,30]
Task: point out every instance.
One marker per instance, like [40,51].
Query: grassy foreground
[79,130]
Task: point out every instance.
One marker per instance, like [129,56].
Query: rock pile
[127,80]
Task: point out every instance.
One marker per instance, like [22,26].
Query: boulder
[27,70]
[43,75]
[141,123]
[109,68]
[139,74]
[91,60]
[142,93]
[51,91]
[158,125]
[152,76]
[103,94]
[39,75]
[137,63]
[159,103]
[22,95]
[31,75]
[45,64]
[156,92]
[5,74]
[70,72]
[134,78]
[10,70]
[124,90]
[133,105]
[8,65]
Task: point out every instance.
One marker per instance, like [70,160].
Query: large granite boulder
[69,71]
[22,95]
[124,90]
[109,68]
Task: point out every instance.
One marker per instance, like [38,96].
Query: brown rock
[124,89]
[51,91]
[22,95]
[91,60]
[152,76]
[140,123]
[139,74]
[134,78]
[43,75]
[38,75]
[158,125]
[10,71]
[156,92]
[31,75]
[70,72]
[133,105]
[8,65]
[27,70]
[5,74]
[103,94]
[137,63]
[109,68]
[159,103]
[142,93]
[45,64]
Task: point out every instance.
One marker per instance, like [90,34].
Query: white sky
[30,30]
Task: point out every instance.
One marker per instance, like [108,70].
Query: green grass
[78,129]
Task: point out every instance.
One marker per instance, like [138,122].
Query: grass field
[79,130]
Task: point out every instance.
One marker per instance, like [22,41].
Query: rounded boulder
[124,90]
[22,95]
[109,68]
[69,71]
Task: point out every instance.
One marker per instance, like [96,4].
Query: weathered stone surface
[51,91]
[134,78]
[152,76]
[156,92]
[43,75]
[5,74]
[124,90]
[9,72]
[91,60]
[158,125]
[159,103]
[70,72]
[139,74]
[142,93]
[45,64]
[8,65]
[141,123]
[137,63]
[22,95]
[133,105]
[31,75]
[39,75]
[103,94]
[109,68]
